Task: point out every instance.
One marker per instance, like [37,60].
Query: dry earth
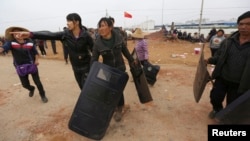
[173,116]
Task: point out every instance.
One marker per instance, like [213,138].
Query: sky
[51,15]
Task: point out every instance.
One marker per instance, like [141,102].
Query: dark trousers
[213,51]
[42,49]
[65,53]
[220,90]
[53,45]
[26,83]
[81,74]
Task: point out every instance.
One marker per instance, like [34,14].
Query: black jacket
[22,53]
[112,56]
[79,48]
[221,56]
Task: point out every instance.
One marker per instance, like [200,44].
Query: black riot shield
[140,81]
[236,112]
[202,77]
[97,101]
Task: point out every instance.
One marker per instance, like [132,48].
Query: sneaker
[44,99]
[31,93]
[212,114]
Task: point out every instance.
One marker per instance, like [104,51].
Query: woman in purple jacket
[141,46]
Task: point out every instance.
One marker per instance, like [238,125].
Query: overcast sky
[51,14]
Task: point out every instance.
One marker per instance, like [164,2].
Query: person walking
[211,34]
[24,52]
[232,66]
[111,46]
[141,46]
[65,50]
[53,45]
[141,49]
[77,41]
[40,44]
[216,40]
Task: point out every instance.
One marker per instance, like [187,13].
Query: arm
[95,55]
[5,47]
[34,51]
[90,42]
[44,35]
[127,54]
[1,49]
[210,41]
[221,51]
[36,60]
[145,49]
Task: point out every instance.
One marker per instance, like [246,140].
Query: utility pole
[200,18]
[107,15]
[162,12]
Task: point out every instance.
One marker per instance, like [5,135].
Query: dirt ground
[173,116]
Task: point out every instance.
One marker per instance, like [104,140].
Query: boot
[31,93]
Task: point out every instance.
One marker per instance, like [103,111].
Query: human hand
[21,34]
[135,62]
[1,49]
[36,63]
[206,61]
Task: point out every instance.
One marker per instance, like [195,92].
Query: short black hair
[243,16]
[112,19]
[220,30]
[106,20]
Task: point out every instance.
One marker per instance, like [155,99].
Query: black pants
[65,53]
[42,49]
[26,83]
[81,74]
[213,51]
[222,89]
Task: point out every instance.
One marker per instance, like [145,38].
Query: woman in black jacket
[110,45]
[77,41]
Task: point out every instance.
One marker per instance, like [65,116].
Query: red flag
[127,15]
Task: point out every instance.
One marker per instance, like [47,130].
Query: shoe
[44,99]
[212,114]
[31,93]
[120,111]
[118,116]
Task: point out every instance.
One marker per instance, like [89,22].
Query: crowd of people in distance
[176,34]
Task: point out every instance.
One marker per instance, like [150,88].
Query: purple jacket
[141,48]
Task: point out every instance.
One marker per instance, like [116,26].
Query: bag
[151,72]
[26,69]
